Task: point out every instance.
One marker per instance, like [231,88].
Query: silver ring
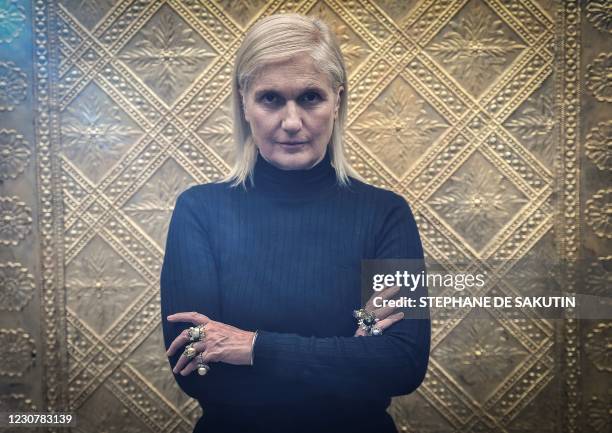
[196,333]
[190,352]
[203,368]
[376,330]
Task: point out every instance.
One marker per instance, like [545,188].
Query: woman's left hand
[222,343]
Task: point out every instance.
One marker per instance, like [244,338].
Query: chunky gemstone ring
[196,333]
[190,352]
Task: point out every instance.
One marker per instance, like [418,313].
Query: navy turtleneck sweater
[283,257]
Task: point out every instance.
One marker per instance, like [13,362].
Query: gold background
[491,117]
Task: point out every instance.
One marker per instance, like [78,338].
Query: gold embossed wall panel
[21,334]
[470,109]
[595,210]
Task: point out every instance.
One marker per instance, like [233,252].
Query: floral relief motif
[242,10]
[16,286]
[12,20]
[600,15]
[477,200]
[599,77]
[18,352]
[352,51]
[599,415]
[475,48]
[398,128]
[168,54]
[15,220]
[599,277]
[599,213]
[99,285]
[480,353]
[95,133]
[599,145]
[534,125]
[14,154]
[13,86]
[89,12]
[598,346]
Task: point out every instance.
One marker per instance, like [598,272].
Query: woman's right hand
[385,315]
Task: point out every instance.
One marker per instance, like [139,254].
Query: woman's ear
[339,92]
[244,106]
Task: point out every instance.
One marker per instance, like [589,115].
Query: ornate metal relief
[491,117]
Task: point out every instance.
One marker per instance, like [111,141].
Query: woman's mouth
[292,146]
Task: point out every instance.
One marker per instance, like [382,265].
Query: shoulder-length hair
[276,38]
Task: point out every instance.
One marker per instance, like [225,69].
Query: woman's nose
[291,120]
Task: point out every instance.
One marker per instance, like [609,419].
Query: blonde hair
[277,38]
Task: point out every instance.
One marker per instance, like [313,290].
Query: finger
[386,323]
[193,317]
[178,342]
[200,346]
[190,367]
[385,294]
[360,332]
[383,312]
[390,292]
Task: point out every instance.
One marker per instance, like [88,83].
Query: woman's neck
[296,184]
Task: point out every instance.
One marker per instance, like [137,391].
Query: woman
[268,261]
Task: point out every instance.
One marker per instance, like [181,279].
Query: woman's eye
[269,98]
[311,97]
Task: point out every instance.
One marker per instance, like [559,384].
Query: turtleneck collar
[294,184]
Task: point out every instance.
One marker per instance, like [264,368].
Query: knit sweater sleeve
[391,364]
[188,282]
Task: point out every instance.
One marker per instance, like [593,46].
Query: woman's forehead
[297,73]
[289,80]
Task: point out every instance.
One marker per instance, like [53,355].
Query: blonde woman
[261,272]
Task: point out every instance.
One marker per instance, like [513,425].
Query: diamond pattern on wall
[101,411]
[479,353]
[399,127]
[151,206]
[452,105]
[216,131]
[96,132]
[477,201]
[354,49]
[100,285]
[167,54]
[475,47]
[533,124]
[151,361]
[88,12]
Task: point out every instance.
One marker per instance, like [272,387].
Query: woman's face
[291,107]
